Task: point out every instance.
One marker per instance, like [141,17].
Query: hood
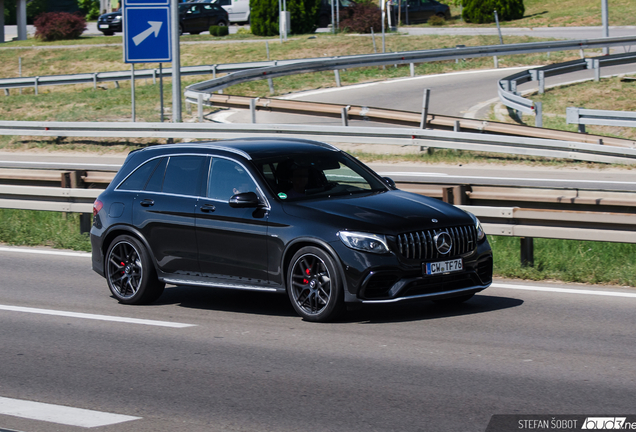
[108,15]
[390,213]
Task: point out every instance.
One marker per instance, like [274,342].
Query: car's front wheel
[130,274]
[314,286]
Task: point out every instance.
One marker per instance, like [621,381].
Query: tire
[130,274]
[107,33]
[314,286]
[453,301]
[222,23]
[195,32]
[180,29]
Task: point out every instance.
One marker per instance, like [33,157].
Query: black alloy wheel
[130,274]
[314,286]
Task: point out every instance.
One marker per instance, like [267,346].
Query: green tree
[90,8]
[482,11]
[33,9]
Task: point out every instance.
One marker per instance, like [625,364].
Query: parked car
[280,215]
[110,23]
[238,10]
[419,11]
[194,18]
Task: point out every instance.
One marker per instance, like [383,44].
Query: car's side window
[183,175]
[156,179]
[228,178]
[138,179]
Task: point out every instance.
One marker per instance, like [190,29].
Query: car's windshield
[321,175]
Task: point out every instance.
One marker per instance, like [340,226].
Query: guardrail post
[527,252]
[200,107]
[496,61]
[345,116]
[6,92]
[271,85]
[596,64]
[427,96]
[538,114]
[253,110]
[455,195]
[154,76]
[214,71]
[36,81]
[116,84]
[456,127]
[95,81]
[336,72]
[412,67]
[73,179]
[541,82]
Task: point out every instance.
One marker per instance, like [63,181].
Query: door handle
[147,203]
[207,208]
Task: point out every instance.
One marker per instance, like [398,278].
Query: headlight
[478,228]
[364,242]
[117,19]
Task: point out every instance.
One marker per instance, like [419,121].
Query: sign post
[147,29]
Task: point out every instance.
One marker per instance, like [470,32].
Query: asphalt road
[247,363]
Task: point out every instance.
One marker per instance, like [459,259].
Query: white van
[238,10]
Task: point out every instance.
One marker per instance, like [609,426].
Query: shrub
[219,30]
[59,25]
[264,16]
[482,11]
[362,17]
[243,31]
[436,20]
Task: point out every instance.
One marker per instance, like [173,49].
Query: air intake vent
[421,245]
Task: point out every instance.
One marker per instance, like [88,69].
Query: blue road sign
[147,32]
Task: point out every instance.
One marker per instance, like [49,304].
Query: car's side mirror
[245,200]
[390,182]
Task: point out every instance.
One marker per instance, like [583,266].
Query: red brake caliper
[308,273]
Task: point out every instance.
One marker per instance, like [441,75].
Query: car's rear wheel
[130,274]
[314,286]
[222,23]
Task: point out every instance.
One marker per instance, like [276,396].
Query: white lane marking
[393,81]
[564,290]
[45,252]
[60,414]
[95,317]
[547,180]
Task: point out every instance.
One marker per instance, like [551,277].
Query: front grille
[421,244]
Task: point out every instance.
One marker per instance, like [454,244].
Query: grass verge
[565,260]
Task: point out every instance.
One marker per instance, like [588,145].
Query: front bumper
[386,278]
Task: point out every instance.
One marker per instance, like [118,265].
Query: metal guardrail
[404,118]
[271,69]
[510,97]
[335,134]
[582,116]
[202,90]
[503,221]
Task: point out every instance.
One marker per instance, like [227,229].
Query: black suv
[280,215]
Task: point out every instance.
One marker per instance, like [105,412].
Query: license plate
[102,26]
[443,267]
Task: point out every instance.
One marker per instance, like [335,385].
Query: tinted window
[228,178]
[156,179]
[183,175]
[137,180]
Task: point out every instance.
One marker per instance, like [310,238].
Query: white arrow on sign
[155,26]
